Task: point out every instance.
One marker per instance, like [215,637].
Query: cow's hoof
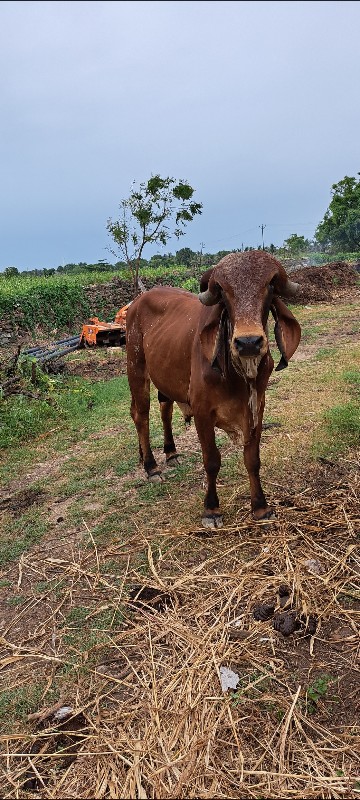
[212,521]
[173,461]
[156,477]
[267,517]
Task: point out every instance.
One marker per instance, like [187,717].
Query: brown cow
[212,357]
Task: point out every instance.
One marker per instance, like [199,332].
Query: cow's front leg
[259,506]
[212,518]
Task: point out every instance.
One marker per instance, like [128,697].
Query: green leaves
[341,224]
[146,216]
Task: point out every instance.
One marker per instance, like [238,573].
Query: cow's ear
[210,331]
[287,331]
[214,339]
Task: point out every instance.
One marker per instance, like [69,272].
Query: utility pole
[202,244]
[262,234]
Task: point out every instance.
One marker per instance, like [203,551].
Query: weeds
[16,703]
[317,691]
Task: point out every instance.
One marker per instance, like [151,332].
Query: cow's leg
[212,518]
[259,506]
[166,410]
[140,407]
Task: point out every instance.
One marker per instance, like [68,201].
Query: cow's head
[246,286]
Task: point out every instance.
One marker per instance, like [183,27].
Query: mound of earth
[323,284]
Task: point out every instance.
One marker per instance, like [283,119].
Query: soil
[233,579]
[97,365]
[330,282]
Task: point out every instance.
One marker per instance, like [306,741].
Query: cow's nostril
[248,345]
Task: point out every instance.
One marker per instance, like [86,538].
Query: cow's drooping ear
[287,331]
[214,338]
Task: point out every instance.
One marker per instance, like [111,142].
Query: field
[117,605]
[60,302]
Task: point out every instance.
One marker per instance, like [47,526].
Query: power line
[269,225]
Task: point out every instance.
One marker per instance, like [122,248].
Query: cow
[210,354]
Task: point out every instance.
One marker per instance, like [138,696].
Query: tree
[296,244]
[146,216]
[10,272]
[184,256]
[340,227]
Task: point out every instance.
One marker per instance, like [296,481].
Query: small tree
[146,216]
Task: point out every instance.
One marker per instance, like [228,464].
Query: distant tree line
[153,203]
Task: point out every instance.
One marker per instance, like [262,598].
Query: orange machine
[105,334]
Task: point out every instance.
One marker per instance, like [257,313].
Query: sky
[255,104]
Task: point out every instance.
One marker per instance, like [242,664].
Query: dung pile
[323,284]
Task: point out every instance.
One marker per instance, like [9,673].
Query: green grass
[17,703]
[73,406]
[22,419]
[84,630]
[18,536]
[341,423]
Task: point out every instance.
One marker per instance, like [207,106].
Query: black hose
[46,353]
[38,348]
[57,353]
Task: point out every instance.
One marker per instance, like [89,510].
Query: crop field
[117,606]
[57,302]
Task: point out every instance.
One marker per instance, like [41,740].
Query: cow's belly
[170,373]
[174,389]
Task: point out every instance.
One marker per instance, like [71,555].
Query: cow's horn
[208,298]
[290,289]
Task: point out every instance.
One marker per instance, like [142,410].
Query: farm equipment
[94,333]
[105,334]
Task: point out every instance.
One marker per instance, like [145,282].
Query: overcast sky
[256,104]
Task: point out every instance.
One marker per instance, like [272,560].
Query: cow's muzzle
[248,346]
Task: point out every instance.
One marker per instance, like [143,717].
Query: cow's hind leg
[212,517]
[166,410]
[140,407]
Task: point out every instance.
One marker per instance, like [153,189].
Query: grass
[17,703]
[17,537]
[340,429]
[148,678]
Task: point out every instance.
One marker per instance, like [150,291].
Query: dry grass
[149,717]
